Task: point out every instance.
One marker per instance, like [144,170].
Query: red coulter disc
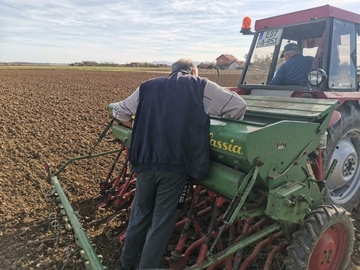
[329,249]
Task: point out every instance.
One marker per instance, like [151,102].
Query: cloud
[125,31]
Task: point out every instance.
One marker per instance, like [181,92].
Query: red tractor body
[332,37]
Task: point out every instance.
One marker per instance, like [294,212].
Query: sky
[124,31]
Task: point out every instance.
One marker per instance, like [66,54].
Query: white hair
[183,64]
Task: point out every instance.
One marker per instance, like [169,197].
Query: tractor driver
[169,143]
[296,68]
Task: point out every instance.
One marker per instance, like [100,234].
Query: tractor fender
[335,117]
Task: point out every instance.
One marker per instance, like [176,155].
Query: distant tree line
[112,64]
[260,62]
[207,65]
[94,64]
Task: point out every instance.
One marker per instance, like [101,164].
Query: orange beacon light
[246,26]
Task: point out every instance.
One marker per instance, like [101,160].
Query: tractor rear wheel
[324,241]
[343,188]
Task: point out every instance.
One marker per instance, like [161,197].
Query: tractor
[332,36]
[283,180]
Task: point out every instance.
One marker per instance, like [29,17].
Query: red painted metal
[122,195]
[340,96]
[302,16]
[183,258]
[318,166]
[121,200]
[211,229]
[217,264]
[186,222]
[335,117]
[258,248]
[329,249]
[240,91]
[272,253]
[244,233]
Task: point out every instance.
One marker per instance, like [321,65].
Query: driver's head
[290,50]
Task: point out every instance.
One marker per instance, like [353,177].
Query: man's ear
[193,72]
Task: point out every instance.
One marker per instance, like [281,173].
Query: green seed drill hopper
[264,188]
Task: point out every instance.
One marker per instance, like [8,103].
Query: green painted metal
[250,211]
[240,196]
[292,201]
[123,134]
[276,135]
[92,259]
[102,135]
[237,202]
[68,162]
[308,110]
[277,145]
[263,161]
[223,180]
[276,131]
[110,108]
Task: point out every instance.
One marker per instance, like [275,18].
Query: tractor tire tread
[305,239]
[350,118]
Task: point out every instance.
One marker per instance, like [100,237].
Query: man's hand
[127,123]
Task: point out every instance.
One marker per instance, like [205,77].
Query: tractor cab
[331,36]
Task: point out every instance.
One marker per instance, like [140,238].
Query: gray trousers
[152,218]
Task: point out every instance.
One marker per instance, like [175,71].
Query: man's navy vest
[171,128]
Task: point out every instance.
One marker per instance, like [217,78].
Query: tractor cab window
[266,52]
[280,59]
[342,68]
[259,65]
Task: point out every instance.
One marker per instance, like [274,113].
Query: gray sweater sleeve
[219,101]
[127,108]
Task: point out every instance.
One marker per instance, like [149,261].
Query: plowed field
[50,116]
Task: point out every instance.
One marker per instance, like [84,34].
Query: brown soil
[51,116]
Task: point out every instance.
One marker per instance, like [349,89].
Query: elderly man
[170,142]
[296,68]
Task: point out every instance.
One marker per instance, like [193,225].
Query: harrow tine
[102,205]
[122,173]
[185,231]
[179,262]
[122,148]
[119,201]
[229,260]
[88,190]
[258,248]
[113,217]
[116,188]
[122,235]
[107,184]
[205,246]
[244,233]
[123,200]
[272,253]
